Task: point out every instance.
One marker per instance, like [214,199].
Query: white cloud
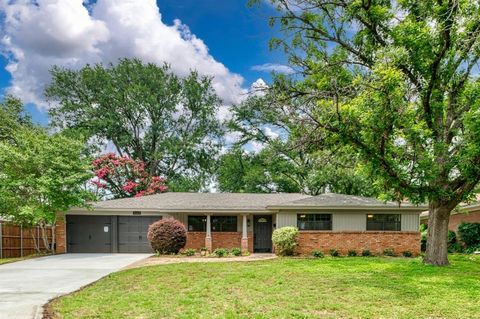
[58,32]
[272,67]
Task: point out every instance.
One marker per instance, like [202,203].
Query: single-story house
[467,213]
[227,220]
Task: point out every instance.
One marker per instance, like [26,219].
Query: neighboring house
[213,220]
[468,213]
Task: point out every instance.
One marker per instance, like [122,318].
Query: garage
[108,234]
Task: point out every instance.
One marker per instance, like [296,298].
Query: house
[467,213]
[213,220]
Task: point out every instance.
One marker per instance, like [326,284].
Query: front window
[314,221]
[390,222]
[219,223]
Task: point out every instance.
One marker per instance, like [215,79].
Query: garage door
[89,234]
[132,233]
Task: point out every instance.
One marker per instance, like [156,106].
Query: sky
[225,39]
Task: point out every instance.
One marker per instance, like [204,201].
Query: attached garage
[108,234]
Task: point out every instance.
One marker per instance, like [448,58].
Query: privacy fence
[18,241]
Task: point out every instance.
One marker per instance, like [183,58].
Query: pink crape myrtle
[122,176]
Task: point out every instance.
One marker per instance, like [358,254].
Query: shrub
[190,252]
[407,254]
[469,234]
[236,251]
[423,240]
[389,252]
[352,253]
[220,252]
[366,253]
[167,236]
[285,240]
[334,253]
[317,254]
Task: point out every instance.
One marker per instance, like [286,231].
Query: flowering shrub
[167,236]
[125,177]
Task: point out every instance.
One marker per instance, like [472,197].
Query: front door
[262,234]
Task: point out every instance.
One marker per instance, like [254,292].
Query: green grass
[354,287]
[9,260]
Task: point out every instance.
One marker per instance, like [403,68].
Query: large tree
[397,80]
[147,113]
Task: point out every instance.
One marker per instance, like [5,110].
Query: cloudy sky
[224,39]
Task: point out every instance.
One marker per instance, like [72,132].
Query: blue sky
[236,36]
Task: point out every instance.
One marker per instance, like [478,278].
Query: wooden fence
[18,241]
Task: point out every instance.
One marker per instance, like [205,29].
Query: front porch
[249,232]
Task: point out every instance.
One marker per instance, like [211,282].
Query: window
[218,223]
[314,221]
[384,222]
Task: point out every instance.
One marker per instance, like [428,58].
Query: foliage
[12,117]
[220,252]
[236,251]
[423,239]
[122,176]
[395,80]
[147,113]
[317,254]
[190,252]
[334,253]
[167,236]
[352,253]
[407,254]
[389,252]
[366,253]
[284,240]
[470,234]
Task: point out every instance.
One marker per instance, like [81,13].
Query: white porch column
[244,233]
[208,237]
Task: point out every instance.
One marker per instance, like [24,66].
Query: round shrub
[334,253]
[236,251]
[220,252]
[470,234]
[366,253]
[285,240]
[317,254]
[167,236]
[352,253]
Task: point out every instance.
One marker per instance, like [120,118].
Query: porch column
[244,233]
[208,237]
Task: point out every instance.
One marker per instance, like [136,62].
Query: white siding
[349,221]
[286,219]
[410,222]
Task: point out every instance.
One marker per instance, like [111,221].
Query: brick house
[227,220]
[468,213]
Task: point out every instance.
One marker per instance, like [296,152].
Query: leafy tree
[147,113]
[121,176]
[396,81]
[12,117]
[40,176]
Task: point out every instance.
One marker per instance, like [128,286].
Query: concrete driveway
[25,286]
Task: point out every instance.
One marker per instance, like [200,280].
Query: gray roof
[200,201]
[332,200]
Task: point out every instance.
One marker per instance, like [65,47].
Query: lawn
[9,260]
[354,287]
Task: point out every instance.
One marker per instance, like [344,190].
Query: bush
[389,252]
[317,254]
[407,254]
[190,252]
[167,236]
[470,234]
[423,240]
[220,252]
[366,253]
[334,253]
[352,253]
[236,251]
[285,240]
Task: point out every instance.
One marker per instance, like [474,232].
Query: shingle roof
[200,201]
[332,200]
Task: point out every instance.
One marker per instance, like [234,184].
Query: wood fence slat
[17,241]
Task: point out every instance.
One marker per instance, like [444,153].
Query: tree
[40,176]
[12,116]
[396,81]
[121,177]
[147,113]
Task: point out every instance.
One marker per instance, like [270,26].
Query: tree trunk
[437,239]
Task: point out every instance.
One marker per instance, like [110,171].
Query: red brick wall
[456,219]
[376,242]
[196,240]
[61,235]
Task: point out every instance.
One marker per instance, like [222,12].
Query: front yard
[354,287]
